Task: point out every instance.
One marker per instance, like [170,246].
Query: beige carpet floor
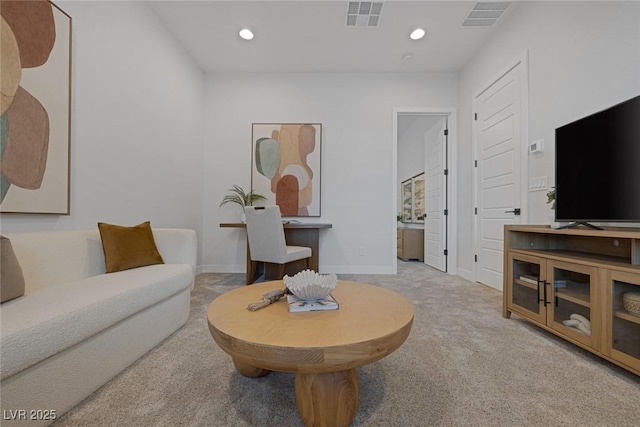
[462,365]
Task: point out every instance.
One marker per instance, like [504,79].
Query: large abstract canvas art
[35,100]
[286,166]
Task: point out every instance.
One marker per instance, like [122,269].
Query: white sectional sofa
[77,327]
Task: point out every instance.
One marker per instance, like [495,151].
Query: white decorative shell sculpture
[311,286]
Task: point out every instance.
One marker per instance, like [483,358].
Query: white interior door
[435,223]
[498,141]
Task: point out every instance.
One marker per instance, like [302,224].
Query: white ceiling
[311,36]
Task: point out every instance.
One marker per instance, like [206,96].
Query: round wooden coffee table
[322,348]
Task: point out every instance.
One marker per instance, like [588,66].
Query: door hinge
[475,258]
[475,163]
[475,211]
[475,116]
[446,132]
[446,172]
[446,211]
[446,252]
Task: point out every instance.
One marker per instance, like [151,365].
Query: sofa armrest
[177,246]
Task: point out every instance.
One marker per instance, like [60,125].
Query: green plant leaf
[241,197]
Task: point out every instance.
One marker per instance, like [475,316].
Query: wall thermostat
[536,147]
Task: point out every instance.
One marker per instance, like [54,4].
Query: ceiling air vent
[485,14]
[363,14]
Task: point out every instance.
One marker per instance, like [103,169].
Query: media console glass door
[622,327]
[556,294]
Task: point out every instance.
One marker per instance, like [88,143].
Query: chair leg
[280,271]
[251,277]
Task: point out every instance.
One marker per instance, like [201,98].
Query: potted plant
[551,198]
[241,197]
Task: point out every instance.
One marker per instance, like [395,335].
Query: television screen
[598,166]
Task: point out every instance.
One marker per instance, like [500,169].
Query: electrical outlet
[362,251]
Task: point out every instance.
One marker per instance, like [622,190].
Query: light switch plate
[539,183]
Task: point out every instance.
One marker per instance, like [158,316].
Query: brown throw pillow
[128,247]
[11,278]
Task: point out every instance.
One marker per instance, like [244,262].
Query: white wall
[137,149]
[583,57]
[358,162]
[411,149]
[136,142]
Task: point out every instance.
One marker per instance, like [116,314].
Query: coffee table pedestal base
[249,370]
[327,399]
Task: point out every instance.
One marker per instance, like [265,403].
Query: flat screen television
[598,166]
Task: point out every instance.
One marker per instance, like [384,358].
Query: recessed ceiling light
[417,34]
[246,34]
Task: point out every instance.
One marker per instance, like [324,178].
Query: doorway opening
[499,135]
[424,147]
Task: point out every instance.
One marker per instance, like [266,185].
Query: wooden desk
[296,234]
[322,348]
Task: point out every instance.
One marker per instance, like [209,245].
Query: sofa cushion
[11,277]
[42,324]
[128,247]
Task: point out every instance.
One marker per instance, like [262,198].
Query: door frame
[452,185]
[523,61]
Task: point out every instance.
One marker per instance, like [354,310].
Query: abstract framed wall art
[35,108]
[285,166]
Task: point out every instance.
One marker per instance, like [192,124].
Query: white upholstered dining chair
[267,244]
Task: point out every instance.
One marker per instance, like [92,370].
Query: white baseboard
[491,287]
[324,269]
[220,268]
[466,274]
[356,269]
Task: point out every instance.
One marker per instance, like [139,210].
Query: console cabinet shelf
[571,283]
[411,244]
